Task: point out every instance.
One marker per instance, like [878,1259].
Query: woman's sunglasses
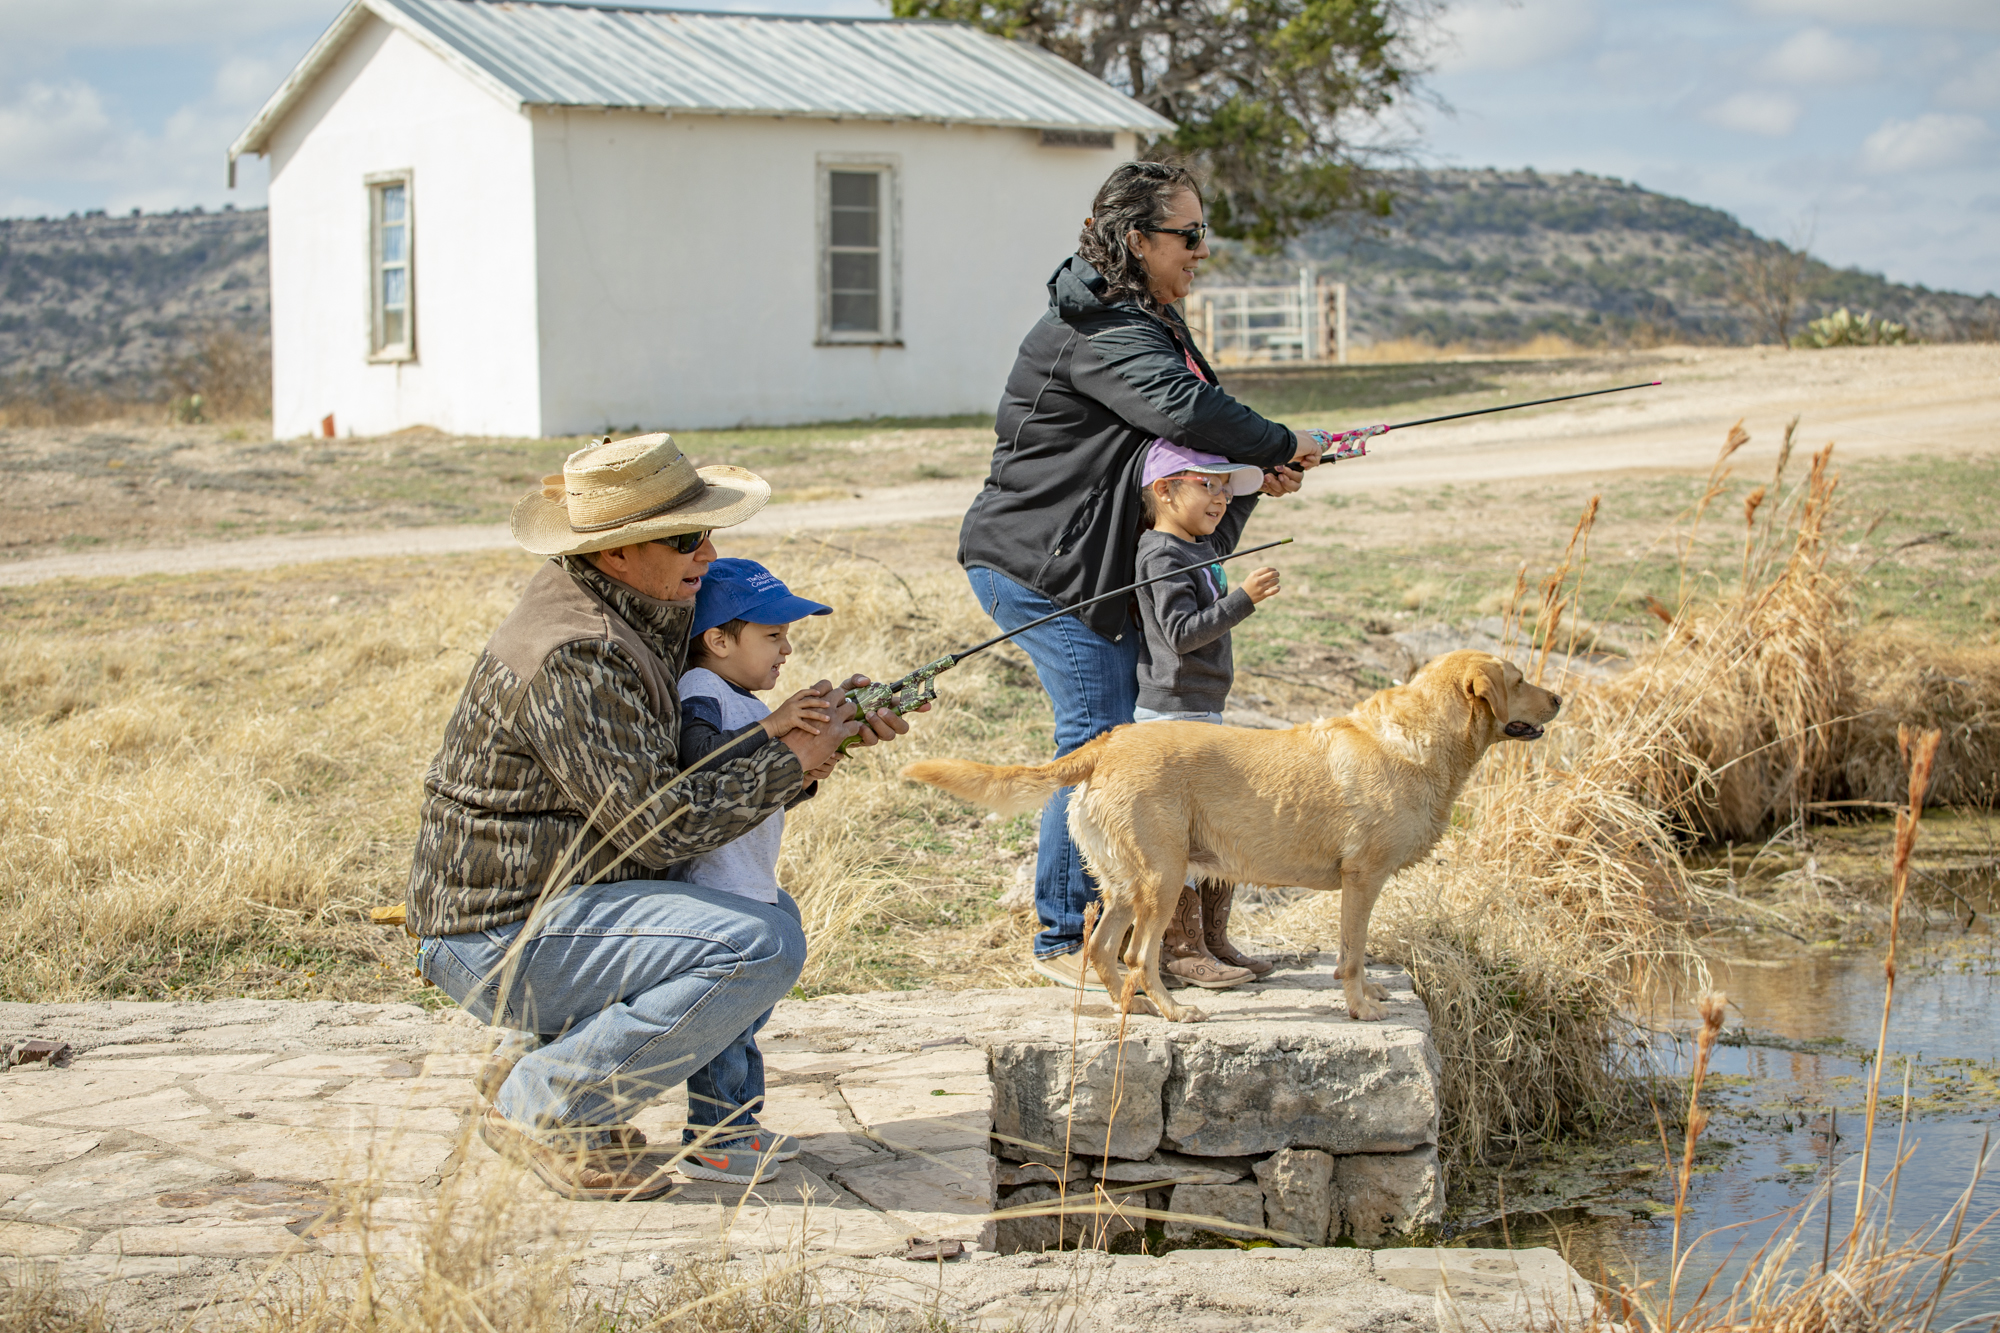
[1194,235]
[687,543]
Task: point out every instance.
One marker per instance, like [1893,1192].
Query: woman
[1107,370]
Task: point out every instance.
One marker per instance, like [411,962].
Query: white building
[518,218]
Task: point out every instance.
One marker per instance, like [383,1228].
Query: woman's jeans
[630,990]
[1092,683]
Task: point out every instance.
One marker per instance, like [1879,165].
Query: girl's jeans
[629,990]
[1092,683]
[1149,715]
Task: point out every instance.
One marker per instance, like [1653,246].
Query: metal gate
[1304,322]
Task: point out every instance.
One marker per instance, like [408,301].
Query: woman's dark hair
[1137,196]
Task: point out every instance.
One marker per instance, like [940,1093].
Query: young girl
[1196,505]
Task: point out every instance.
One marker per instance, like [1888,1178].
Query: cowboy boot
[1215,900]
[1184,960]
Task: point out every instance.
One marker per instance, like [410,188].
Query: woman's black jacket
[1096,382]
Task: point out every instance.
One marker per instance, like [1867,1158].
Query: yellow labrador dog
[1341,803]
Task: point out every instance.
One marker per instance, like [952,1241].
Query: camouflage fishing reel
[903,695]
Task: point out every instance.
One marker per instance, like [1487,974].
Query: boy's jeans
[1092,683]
[632,989]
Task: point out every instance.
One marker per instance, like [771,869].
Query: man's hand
[881,725]
[820,752]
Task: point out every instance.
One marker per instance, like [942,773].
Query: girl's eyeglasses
[1212,484]
[687,543]
[1194,235]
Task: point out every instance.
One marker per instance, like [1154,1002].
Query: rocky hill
[109,304]
[1496,257]
[116,306]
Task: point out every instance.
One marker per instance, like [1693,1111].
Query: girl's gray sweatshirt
[1184,661]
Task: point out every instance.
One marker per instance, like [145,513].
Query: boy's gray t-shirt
[1184,659]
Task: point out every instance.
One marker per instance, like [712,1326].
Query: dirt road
[886,508]
[1874,401]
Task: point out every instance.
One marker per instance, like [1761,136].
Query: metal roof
[535,53]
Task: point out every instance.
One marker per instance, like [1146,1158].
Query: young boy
[1196,505]
[739,644]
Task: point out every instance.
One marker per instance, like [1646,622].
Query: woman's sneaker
[727,1162]
[1067,969]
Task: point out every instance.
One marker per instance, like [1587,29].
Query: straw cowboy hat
[622,492]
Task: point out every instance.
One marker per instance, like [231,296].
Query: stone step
[185,1148]
[1276,1072]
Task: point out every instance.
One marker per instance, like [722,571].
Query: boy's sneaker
[1067,969]
[729,1163]
[780,1147]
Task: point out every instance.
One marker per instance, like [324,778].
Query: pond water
[1787,1098]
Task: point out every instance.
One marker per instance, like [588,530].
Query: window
[858,264]
[392,305]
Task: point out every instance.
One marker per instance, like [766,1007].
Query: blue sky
[1866,125]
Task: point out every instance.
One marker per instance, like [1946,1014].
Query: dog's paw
[1141,1006]
[1365,1010]
[1374,991]
[1188,1014]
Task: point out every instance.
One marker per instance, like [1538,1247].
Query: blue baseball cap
[735,589]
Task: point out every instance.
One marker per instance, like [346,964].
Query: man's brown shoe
[493,1073]
[501,1063]
[616,1174]
[1067,969]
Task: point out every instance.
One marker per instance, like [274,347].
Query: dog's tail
[1008,788]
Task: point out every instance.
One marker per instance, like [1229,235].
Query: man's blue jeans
[631,990]
[1092,684]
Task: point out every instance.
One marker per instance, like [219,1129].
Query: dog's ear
[1488,681]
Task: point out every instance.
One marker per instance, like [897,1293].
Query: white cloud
[1814,56]
[1981,14]
[1770,114]
[1976,87]
[54,25]
[1513,34]
[1929,142]
[246,81]
[47,126]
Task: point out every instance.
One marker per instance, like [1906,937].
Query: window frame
[374,183]
[888,167]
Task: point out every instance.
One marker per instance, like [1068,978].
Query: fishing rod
[919,687]
[1354,443]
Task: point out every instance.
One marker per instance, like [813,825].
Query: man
[552,813]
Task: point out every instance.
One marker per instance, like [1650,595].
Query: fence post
[1308,333]
[1340,323]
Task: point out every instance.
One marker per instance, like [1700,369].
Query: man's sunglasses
[1194,235]
[687,543]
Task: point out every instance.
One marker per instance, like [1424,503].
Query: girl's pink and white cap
[1164,458]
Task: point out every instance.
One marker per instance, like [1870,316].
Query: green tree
[1267,94]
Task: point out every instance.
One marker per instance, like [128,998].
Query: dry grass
[33,1301]
[202,790]
[207,801]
